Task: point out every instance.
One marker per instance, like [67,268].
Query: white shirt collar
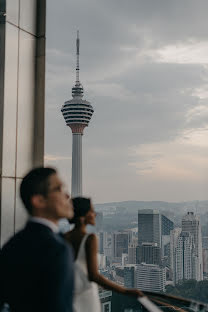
[46,222]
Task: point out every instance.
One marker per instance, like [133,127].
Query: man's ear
[38,201]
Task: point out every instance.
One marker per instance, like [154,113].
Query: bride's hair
[81,207]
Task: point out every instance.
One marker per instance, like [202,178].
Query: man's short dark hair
[34,183]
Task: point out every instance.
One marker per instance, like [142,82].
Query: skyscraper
[132,248]
[99,221]
[120,242]
[77,114]
[205,262]
[184,266]
[152,225]
[174,234]
[149,227]
[101,242]
[167,225]
[191,224]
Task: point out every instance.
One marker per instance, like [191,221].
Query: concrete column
[76,165]
[22,84]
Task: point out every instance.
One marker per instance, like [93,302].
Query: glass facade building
[149,227]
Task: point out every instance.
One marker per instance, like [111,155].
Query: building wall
[184,257]
[150,278]
[205,261]
[105,300]
[174,234]
[119,244]
[129,278]
[99,221]
[205,242]
[101,242]
[132,254]
[149,254]
[191,223]
[167,225]
[22,84]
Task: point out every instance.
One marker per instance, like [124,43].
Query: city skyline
[146,72]
[134,258]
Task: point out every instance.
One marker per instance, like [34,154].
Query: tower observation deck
[77,114]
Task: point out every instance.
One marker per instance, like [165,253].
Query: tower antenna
[77,66]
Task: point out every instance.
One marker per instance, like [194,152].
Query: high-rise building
[124,259]
[150,277]
[120,242]
[77,114]
[165,250]
[107,246]
[191,224]
[132,253]
[174,234]
[152,225]
[205,263]
[149,227]
[101,237]
[148,253]
[99,222]
[184,261]
[167,225]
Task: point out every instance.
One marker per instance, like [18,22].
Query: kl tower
[77,114]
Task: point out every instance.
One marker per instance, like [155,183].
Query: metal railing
[155,302]
[173,303]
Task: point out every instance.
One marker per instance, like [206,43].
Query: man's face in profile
[58,202]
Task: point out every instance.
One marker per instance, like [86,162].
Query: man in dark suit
[36,268]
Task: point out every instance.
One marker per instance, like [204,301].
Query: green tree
[190,289]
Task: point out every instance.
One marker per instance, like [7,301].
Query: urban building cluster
[154,254]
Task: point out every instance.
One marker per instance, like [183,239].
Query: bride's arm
[95,276]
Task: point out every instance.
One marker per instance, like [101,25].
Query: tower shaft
[76,165]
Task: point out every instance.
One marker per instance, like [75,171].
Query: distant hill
[180,207]
[119,214]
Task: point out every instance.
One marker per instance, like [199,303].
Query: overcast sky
[144,68]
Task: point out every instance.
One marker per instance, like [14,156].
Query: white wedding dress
[86,297]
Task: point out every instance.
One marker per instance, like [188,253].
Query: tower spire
[77,90]
[77,65]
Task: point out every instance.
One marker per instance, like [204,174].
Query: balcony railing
[173,303]
[152,302]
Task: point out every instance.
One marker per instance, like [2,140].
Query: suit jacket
[36,271]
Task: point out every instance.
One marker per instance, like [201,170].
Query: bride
[87,277]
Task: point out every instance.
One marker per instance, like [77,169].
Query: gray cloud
[138,98]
